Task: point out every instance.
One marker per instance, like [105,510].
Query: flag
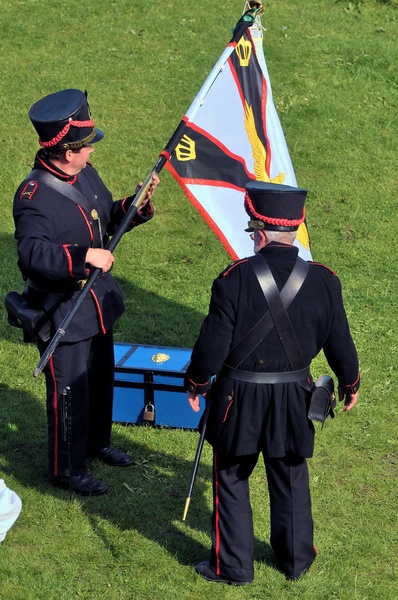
[232,136]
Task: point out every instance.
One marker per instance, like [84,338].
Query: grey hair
[284,237]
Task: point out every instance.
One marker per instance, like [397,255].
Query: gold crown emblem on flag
[186,149]
[244,51]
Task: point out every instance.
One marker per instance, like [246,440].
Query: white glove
[10,507]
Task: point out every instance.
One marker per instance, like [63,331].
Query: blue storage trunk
[149,383]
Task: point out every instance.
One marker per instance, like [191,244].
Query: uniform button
[230,398]
[260,361]
[191,388]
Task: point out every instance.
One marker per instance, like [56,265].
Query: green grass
[333,72]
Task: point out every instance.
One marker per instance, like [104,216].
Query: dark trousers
[87,367]
[232,553]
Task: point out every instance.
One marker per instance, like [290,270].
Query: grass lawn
[333,69]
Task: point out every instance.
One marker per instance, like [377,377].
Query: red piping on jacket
[318,264]
[98,311]
[234,264]
[69,259]
[48,167]
[197,384]
[31,192]
[227,411]
[87,222]
[123,201]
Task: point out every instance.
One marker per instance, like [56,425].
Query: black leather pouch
[323,400]
[22,314]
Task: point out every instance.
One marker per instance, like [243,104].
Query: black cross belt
[263,377]
[75,285]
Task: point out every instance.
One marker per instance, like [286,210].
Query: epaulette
[232,266]
[28,191]
[318,264]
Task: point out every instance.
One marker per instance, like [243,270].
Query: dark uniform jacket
[54,234]
[248,417]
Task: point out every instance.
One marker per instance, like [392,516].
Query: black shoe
[204,570]
[295,577]
[112,456]
[82,484]
[292,577]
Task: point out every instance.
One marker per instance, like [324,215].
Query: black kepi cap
[272,206]
[63,120]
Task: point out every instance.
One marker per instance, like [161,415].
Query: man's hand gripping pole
[96,272]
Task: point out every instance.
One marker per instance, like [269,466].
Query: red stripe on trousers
[55,407]
[216,514]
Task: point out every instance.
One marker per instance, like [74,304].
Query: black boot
[86,485]
[204,570]
[112,456]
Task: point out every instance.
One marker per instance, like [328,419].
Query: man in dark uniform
[251,412]
[63,216]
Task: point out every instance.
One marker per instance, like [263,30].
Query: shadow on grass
[148,497]
[23,439]
[151,319]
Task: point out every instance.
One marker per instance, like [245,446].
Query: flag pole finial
[252,11]
[253,5]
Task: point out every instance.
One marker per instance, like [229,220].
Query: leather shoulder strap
[60,186]
[265,324]
[277,308]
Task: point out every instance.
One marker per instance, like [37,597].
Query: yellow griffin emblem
[258,150]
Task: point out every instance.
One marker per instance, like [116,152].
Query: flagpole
[244,23]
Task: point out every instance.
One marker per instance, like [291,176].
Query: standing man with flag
[260,400]
[64,215]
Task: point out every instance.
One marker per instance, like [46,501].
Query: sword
[198,454]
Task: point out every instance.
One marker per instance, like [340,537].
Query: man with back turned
[261,405]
